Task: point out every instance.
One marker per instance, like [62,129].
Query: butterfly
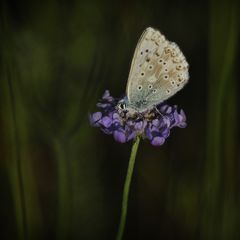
[158,70]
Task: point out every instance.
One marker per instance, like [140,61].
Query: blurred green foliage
[61,179]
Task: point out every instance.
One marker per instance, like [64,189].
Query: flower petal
[95,118]
[148,133]
[119,136]
[182,124]
[138,125]
[106,121]
[158,141]
[154,124]
[106,96]
[165,133]
[131,135]
[103,105]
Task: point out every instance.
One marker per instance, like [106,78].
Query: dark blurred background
[61,178]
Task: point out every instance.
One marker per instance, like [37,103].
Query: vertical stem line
[222,55]
[21,213]
[64,201]
[127,188]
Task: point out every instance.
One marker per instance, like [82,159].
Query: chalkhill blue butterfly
[158,70]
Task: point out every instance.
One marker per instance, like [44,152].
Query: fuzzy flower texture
[154,124]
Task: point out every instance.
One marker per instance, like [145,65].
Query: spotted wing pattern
[158,70]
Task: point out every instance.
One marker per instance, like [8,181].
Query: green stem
[126,189]
[64,191]
[16,169]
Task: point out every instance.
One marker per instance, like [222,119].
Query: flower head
[154,124]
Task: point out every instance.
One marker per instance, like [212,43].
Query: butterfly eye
[164,63]
[141,53]
[157,54]
[122,106]
[148,60]
[140,87]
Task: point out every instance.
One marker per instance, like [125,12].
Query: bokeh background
[61,178]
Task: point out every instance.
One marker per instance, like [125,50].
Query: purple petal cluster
[154,124]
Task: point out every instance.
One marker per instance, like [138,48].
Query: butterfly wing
[158,70]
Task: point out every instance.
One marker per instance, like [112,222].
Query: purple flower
[154,124]
[120,136]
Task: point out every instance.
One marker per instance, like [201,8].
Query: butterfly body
[158,70]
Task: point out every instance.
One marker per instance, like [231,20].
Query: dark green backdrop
[62,179]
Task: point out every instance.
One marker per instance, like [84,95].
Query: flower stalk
[127,188]
[153,124]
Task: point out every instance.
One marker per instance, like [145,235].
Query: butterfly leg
[158,111]
[140,116]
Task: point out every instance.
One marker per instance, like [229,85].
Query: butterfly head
[131,109]
[124,106]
